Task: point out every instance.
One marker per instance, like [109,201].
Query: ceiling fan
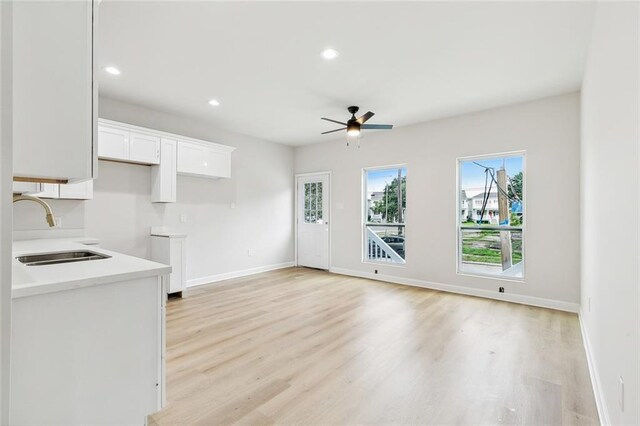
[355,125]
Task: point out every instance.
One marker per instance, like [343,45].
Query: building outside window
[491,224]
[385,203]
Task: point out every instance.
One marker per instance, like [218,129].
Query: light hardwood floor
[300,346]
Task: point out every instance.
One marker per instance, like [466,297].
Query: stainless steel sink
[60,257]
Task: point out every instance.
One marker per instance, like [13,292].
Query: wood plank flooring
[300,346]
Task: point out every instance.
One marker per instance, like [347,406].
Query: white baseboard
[601,404]
[515,298]
[237,274]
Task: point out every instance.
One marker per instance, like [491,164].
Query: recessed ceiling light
[214,102]
[329,53]
[112,70]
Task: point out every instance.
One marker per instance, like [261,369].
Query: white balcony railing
[378,250]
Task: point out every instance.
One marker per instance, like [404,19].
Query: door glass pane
[307,196]
[313,193]
[313,196]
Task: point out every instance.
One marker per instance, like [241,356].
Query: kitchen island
[87,336]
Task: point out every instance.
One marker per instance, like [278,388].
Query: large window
[385,203]
[491,208]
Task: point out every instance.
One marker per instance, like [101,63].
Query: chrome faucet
[50,219]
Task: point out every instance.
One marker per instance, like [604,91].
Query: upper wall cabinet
[70,191]
[163,176]
[119,144]
[202,159]
[169,155]
[54,91]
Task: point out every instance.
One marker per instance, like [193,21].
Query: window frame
[365,208]
[458,225]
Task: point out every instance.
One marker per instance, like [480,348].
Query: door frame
[297,206]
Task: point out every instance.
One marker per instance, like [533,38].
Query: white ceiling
[408,62]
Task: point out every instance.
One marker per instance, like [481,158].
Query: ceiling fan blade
[365,117]
[331,131]
[377,126]
[334,121]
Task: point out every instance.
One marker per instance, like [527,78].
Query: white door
[313,221]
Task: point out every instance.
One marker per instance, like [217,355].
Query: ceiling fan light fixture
[353,129]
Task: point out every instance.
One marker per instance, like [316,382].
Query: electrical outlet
[375,271]
[251,252]
[501,289]
[183,218]
[621,394]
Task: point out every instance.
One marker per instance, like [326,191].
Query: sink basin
[60,257]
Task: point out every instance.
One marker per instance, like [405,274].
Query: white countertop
[161,231]
[34,280]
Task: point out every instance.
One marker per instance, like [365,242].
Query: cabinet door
[77,191]
[26,188]
[163,176]
[191,159]
[53,90]
[217,163]
[113,144]
[144,148]
[177,256]
[49,190]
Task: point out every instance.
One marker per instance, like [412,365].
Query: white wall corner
[237,274]
[598,393]
[506,297]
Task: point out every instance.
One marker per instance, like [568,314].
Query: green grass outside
[486,253]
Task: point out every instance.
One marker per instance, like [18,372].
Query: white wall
[219,236]
[547,129]
[225,218]
[6,173]
[609,206]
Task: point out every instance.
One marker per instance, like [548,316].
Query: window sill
[493,277]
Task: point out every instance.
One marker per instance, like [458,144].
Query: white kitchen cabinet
[163,176]
[144,148]
[113,143]
[204,160]
[90,355]
[120,144]
[28,188]
[54,91]
[170,248]
[70,191]
[76,191]
[42,190]
[49,190]
[168,154]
